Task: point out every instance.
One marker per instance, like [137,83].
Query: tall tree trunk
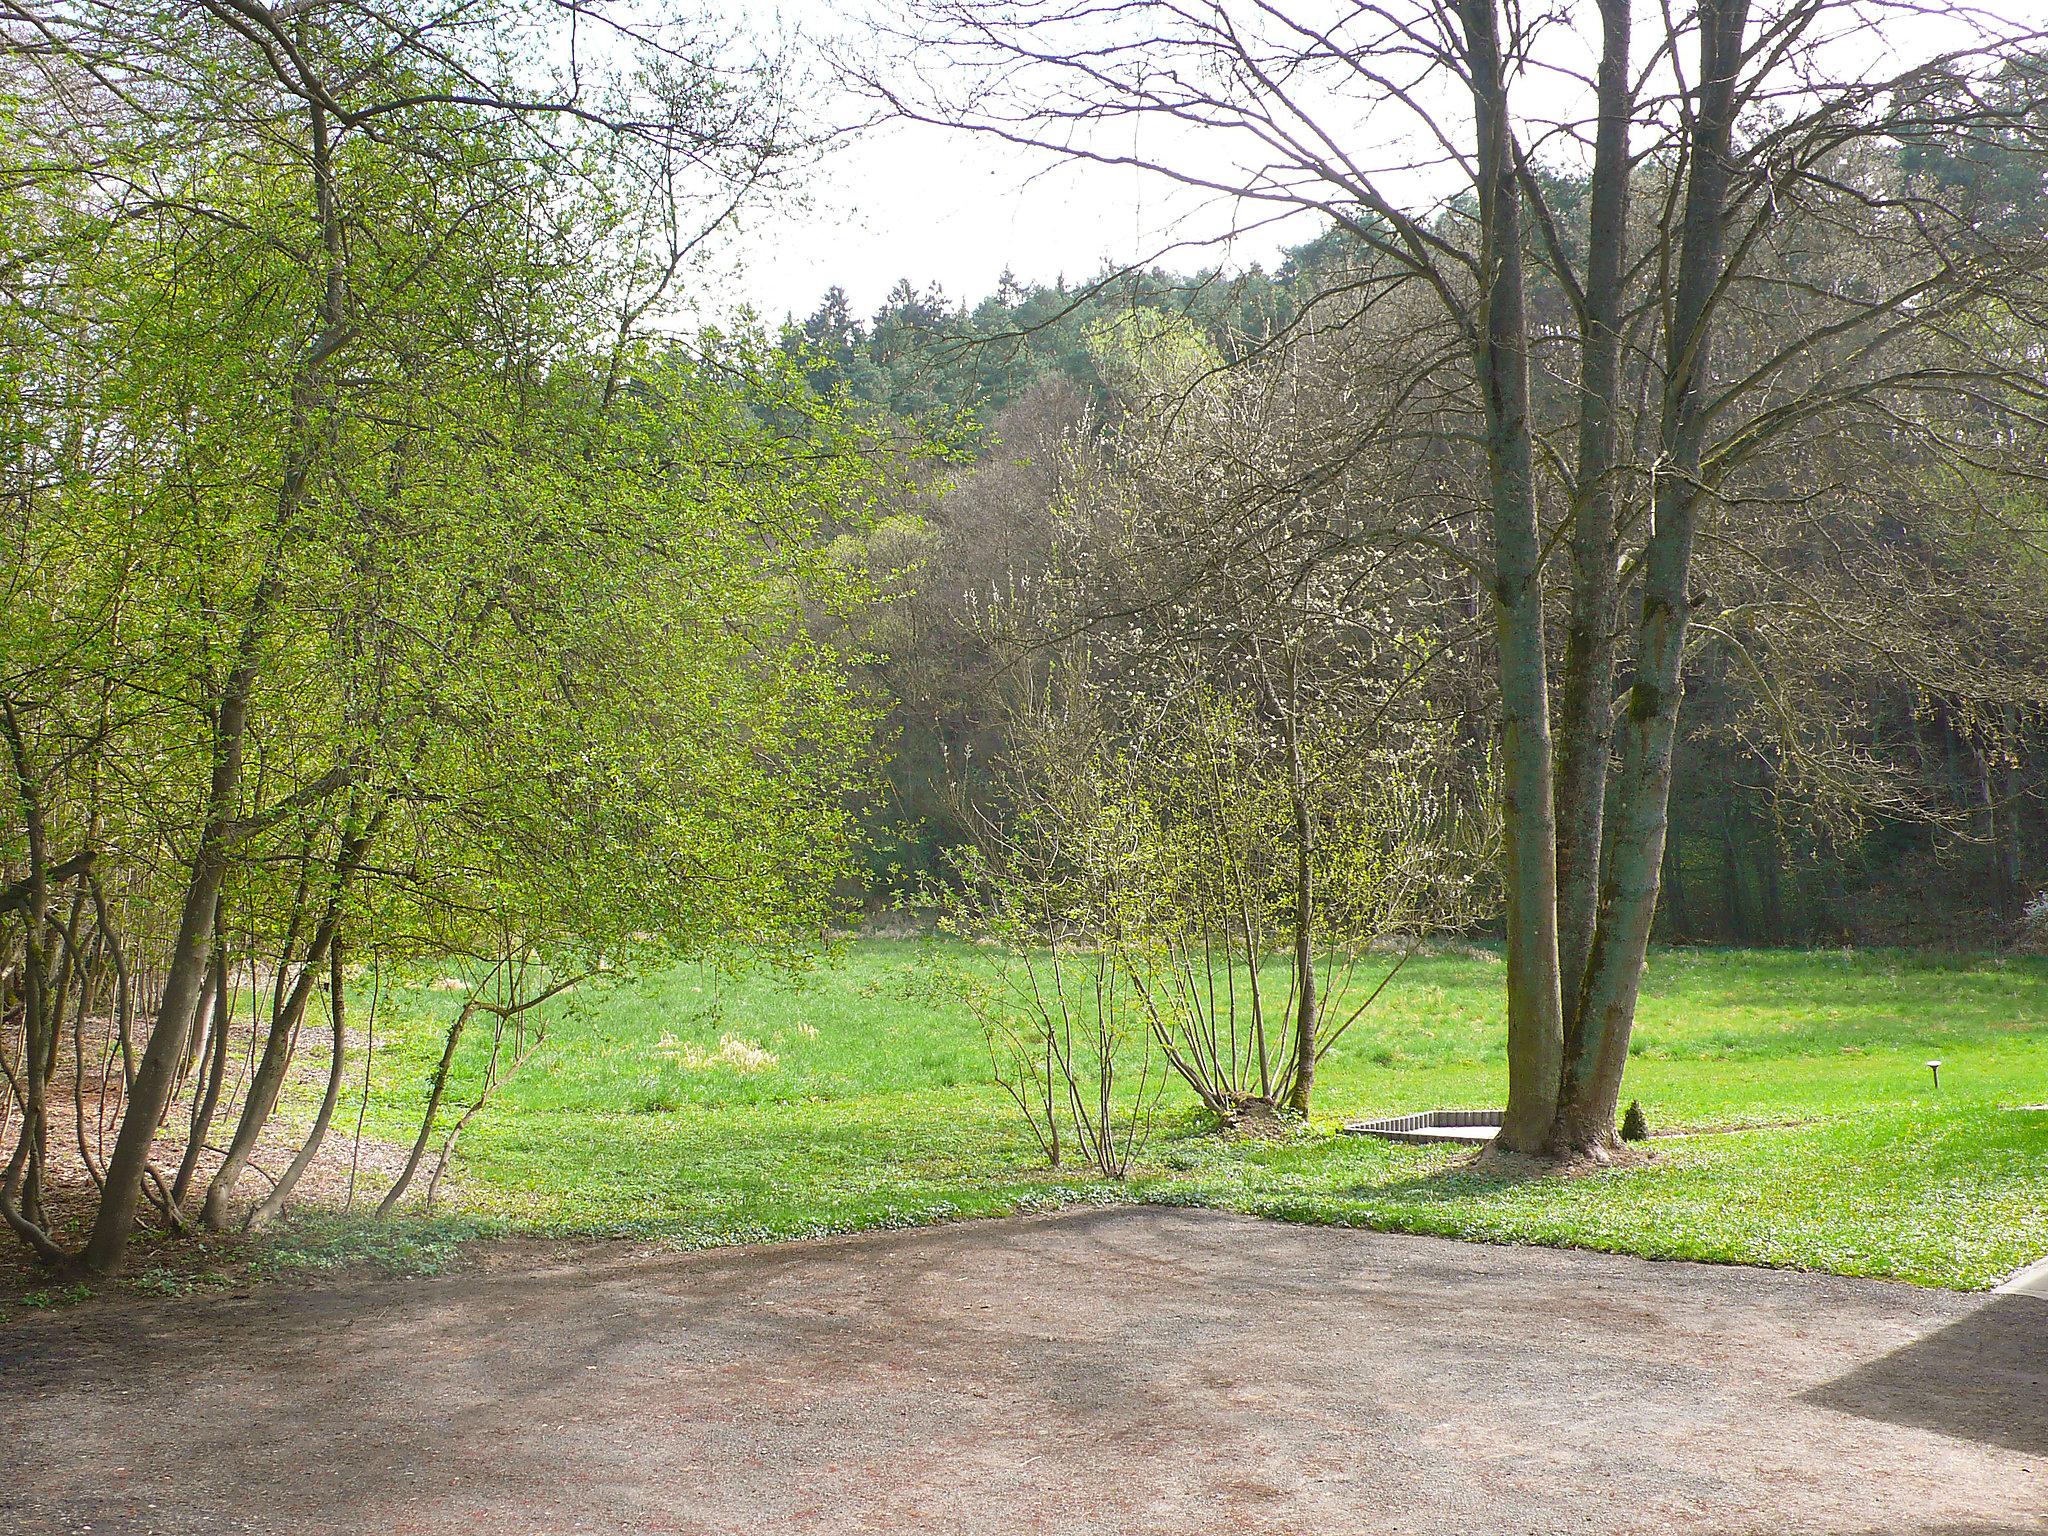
[155,1073]
[1528,810]
[1307,1004]
[1585,704]
[1606,1006]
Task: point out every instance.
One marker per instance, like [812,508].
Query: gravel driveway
[1107,1371]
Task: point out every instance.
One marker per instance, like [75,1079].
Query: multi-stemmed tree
[380,584]
[1582,220]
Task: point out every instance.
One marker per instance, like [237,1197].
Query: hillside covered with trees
[1831,787]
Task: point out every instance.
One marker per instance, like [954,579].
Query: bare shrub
[1064,1004]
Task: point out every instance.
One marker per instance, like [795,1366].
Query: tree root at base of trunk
[1498,1162]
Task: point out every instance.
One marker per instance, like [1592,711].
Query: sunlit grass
[704,1107]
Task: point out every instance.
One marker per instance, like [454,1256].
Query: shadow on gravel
[1983,1378]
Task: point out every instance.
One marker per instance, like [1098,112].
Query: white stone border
[2030,1281]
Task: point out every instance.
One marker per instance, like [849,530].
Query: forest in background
[1945,847]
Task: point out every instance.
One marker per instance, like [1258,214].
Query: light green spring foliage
[542,584]
[1218,797]
[1231,760]
[1153,356]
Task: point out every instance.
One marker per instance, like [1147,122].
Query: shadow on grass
[1441,1186]
[1983,1378]
[1480,1174]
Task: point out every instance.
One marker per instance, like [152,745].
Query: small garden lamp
[1935,1068]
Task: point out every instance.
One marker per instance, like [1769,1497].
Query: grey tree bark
[1585,707]
[1605,1012]
[1535,1027]
[161,1058]
[272,1204]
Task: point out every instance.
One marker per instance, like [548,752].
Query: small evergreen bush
[1635,1125]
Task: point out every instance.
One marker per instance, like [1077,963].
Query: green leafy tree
[383,586]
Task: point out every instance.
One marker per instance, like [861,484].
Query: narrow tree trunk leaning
[199,1046]
[474,1005]
[24,1174]
[434,1094]
[214,1070]
[265,1084]
[1606,1006]
[494,1079]
[157,1070]
[1528,807]
[88,990]
[70,961]
[268,1080]
[272,1204]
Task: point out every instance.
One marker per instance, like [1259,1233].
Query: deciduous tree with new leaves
[380,584]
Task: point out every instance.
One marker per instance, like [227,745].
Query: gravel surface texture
[1113,1371]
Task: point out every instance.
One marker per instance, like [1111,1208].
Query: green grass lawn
[858,1095]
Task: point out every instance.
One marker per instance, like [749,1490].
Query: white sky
[907,200]
[957,208]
